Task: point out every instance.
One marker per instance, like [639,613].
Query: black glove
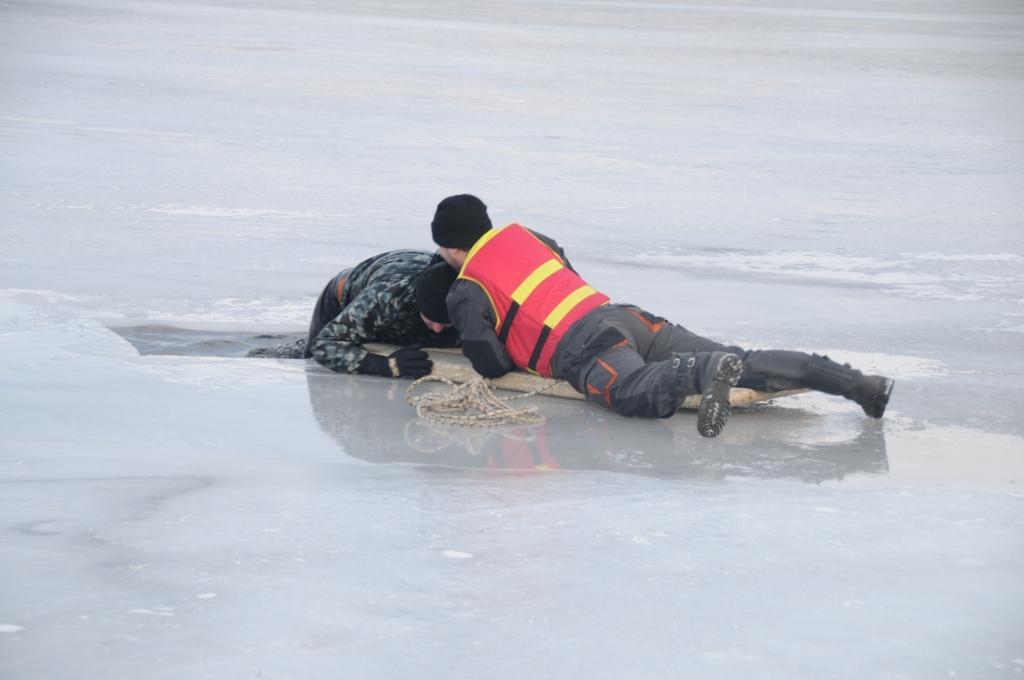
[405,362]
[411,361]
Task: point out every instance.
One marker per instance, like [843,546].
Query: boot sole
[714,408]
[881,400]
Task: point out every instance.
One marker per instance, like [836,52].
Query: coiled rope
[473,404]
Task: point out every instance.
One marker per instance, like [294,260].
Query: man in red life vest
[518,303]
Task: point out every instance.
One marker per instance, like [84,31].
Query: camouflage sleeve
[339,346]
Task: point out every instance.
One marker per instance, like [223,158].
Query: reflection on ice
[580,437]
[188,509]
[810,437]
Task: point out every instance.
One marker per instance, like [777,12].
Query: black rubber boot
[872,392]
[712,375]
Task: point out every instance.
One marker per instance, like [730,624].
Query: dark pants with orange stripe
[328,306]
[622,356]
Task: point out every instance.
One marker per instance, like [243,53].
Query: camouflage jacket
[378,305]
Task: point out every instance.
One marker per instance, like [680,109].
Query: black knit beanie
[460,221]
[432,289]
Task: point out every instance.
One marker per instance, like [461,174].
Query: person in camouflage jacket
[376,301]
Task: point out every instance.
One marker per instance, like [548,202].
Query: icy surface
[846,178]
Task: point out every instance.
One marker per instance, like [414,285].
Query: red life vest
[535,297]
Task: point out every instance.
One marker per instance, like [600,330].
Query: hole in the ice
[172,340]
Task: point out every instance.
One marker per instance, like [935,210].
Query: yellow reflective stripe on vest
[535,279]
[480,243]
[567,305]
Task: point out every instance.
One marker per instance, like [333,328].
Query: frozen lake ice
[777,174]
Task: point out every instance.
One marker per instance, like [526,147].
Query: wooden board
[449,363]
